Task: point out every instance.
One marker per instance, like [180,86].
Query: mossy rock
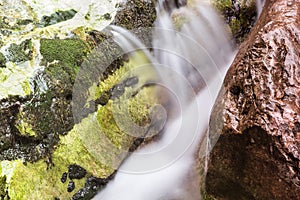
[240,16]
[22,52]
[137,16]
[3,186]
[2,60]
[97,143]
[46,139]
[63,58]
[98,151]
[50,111]
[42,179]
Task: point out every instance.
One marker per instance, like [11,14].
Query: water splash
[191,59]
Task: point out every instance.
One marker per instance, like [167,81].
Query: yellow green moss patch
[36,180]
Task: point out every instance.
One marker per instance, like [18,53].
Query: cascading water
[190,60]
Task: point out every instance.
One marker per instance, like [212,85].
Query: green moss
[139,106]
[128,109]
[3,186]
[24,22]
[71,150]
[97,143]
[2,60]
[36,180]
[63,58]
[25,128]
[222,4]
[111,126]
[136,14]
[235,25]
[67,51]
[20,53]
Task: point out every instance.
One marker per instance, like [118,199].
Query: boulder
[257,155]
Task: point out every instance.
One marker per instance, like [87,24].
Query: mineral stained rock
[258,153]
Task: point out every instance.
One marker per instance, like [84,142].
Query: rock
[107,16]
[3,187]
[20,52]
[137,16]
[40,137]
[240,15]
[31,125]
[131,81]
[258,153]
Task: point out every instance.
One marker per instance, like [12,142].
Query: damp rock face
[137,16]
[30,125]
[240,15]
[258,153]
[44,151]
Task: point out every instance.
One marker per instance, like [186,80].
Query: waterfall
[190,57]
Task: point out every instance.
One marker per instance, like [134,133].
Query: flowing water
[191,53]
[259,6]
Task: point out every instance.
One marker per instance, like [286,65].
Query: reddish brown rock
[258,153]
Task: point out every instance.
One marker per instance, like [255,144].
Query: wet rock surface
[30,125]
[137,16]
[239,15]
[257,155]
